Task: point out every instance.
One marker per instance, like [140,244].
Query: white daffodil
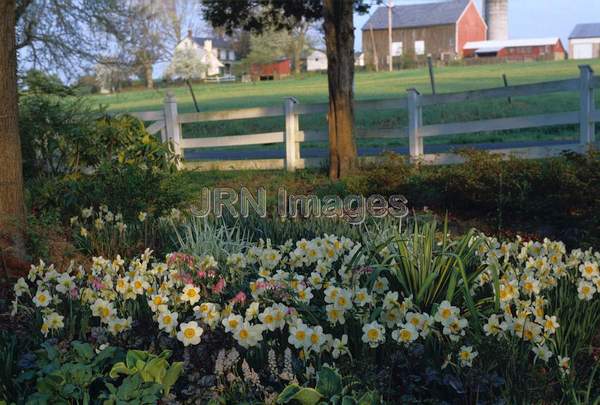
[103,309]
[406,334]
[589,270]
[373,334]
[157,302]
[380,285]
[466,356]
[543,353]
[54,321]
[550,324]
[190,294]
[232,323]
[252,311]
[118,325]
[167,321]
[585,290]
[189,333]
[340,346]
[42,298]
[248,335]
[299,335]
[446,313]
[304,294]
[316,338]
[21,287]
[335,315]
[362,297]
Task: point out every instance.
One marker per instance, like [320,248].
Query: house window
[231,55]
[397,49]
[420,47]
[223,54]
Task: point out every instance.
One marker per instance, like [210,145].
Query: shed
[271,71]
[316,61]
[517,49]
[584,41]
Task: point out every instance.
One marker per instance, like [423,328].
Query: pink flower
[240,298]
[180,258]
[218,288]
[97,283]
[74,293]
[201,273]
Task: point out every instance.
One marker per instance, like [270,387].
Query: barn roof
[511,43]
[418,15]
[586,31]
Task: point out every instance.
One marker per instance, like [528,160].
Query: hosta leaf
[172,376]
[348,400]
[133,356]
[121,368]
[288,392]
[329,382]
[369,398]
[307,396]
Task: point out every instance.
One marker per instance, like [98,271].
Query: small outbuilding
[584,41]
[271,71]
[517,49]
[316,61]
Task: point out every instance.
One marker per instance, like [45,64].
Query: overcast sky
[528,18]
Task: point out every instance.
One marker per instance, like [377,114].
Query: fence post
[586,108]
[415,121]
[172,127]
[291,129]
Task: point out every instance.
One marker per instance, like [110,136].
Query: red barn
[517,49]
[437,28]
[271,71]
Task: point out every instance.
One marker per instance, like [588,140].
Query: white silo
[496,17]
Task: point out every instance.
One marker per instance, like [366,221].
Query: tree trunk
[339,40]
[12,205]
[189,84]
[298,59]
[148,75]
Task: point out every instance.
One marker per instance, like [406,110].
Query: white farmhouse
[216,53]
[584,41]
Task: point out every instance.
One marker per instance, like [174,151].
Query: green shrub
[76,156]
[57,134]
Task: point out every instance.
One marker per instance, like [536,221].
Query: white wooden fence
[169,122]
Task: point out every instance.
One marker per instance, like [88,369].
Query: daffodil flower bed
[329,299]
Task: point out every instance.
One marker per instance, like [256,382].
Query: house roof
[586,31]
[217,42]
[418,15]
[511,43]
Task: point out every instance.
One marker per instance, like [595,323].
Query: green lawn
[313,88]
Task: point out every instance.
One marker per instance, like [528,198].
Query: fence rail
[168,122]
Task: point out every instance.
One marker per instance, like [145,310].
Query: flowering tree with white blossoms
[188,65]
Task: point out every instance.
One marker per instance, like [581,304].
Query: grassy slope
[313,88]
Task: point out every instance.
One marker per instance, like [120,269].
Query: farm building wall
[543,52]
[470,27]
[584,48]
[524,53]
[439,41]
[271,71]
